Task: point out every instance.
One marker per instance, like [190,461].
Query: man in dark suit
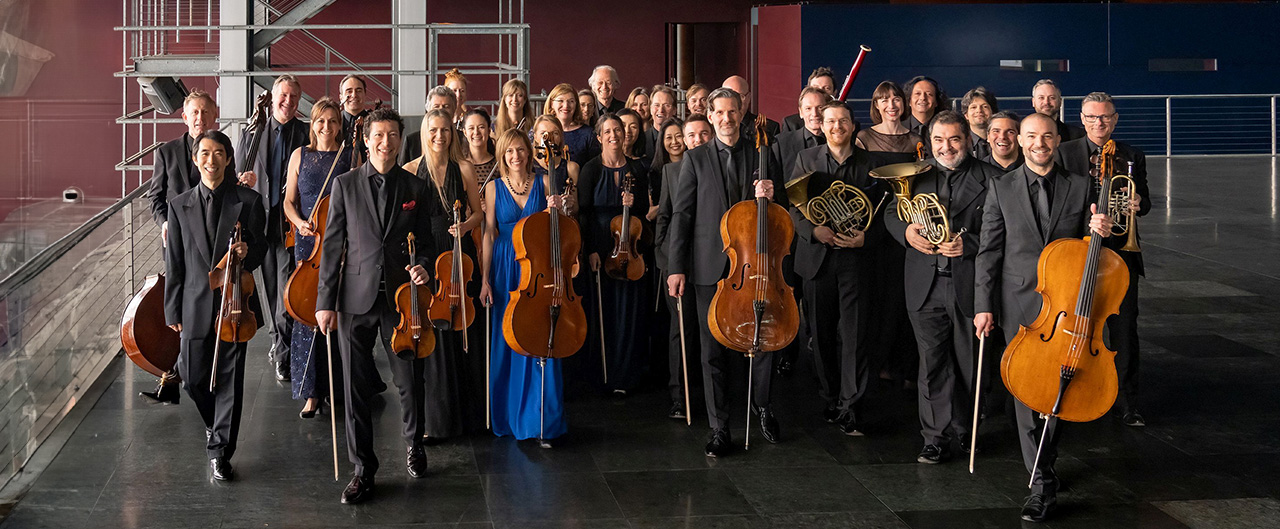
[712,178]
[1098,113]
[697,131]
[834,267]
[939,285]
[748,123]
[603,82]
[201,223]
[924,98]
[1002,136]
[662,105]
[174,173]
[372,210]
[283,133]
[1046,98]
[1025,210]
[977,106]
[352,89]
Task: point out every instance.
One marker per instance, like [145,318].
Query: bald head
[1040,119]
[739,84]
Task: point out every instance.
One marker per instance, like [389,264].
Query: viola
[449,306]
[237,320]
[147,341]
[1059,366]
[625,263]
[412,301]
[754,309]
[544,318]
[301,289]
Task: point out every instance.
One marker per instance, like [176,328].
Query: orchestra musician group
[549,234]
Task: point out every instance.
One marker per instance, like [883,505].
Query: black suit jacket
[790,144]
[662,224]
[991,159]
[1070,132]
[1005,274]
[810,254]
[980,148]
[1074,155]
[189,256]
[374,253]
[174,173]
[747,128]
[614,106]
[968,193]
[295,134]
[699,200]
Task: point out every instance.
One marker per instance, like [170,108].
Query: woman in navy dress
[562,103]
[521,406]
[601,197]
[311,171]
[454,393]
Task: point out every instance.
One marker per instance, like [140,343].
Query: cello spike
[751,358]
[1039,450]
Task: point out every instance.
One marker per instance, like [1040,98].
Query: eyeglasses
[1091,119]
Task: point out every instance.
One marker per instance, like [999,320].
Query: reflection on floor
[1209,456]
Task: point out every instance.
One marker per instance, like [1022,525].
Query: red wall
[778,35]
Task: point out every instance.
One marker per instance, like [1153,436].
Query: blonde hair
[505,139]
[547,118]
[455,146]
[562,89]
[504,120]
[196,94]
[318,109]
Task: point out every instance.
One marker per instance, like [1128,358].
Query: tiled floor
[1209,457]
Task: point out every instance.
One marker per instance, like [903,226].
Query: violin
[237,319]
[1059,366]
[411,302]
[147,341]
[303,284]
[453,270]
[625,263]
[754,309]
[544,318]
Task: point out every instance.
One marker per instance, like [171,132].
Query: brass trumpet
[924,208]
[842,207]
[1124,221]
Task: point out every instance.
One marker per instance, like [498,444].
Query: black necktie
[1041,192]
[278,160]
[378,186]
[210,218]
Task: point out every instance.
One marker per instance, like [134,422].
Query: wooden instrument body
[526,323]
[625,263]
[731,317]
[239,323]
[446,311]
[301,289]
[1032,363]
[410,334]
[147,341]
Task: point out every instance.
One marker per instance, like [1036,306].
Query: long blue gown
[515,379]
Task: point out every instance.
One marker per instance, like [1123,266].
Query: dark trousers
[277,266]
[220,408]
[356,336]
[716,362]
[675,369]
[838,324]
[944,335]
[1029,428]
[1122,333]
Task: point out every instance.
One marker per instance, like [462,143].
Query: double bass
[1059,366]
[544,318]
[624,263]
[449,306]
[412,302]
[147,341]
[754,310]
[237,320]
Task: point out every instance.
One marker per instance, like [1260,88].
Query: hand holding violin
[418,274]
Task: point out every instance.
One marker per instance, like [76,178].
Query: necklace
[524,189]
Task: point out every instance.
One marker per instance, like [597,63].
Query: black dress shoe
[164,393]
[965,448]
[934,454]
[677,411]
[282,372]
[416,462]
[221,468]
[785,366]
[849,425]
[768,425]
[720,443]
[1038,507]
[1133,418]
[358,490]
[304,414]
[831,414]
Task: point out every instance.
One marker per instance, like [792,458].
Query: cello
[624,263]
[454,269]
[237,317]
[1059,366]
[412,301]
[303,284]
[754,310]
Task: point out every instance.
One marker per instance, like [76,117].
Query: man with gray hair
[440,97]
[603,81]
[1046,98]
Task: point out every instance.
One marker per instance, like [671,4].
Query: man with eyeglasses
[1046,98]
[1098,113]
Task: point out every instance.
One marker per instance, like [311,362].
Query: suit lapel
[1022,200]
[1062,188]
[185,166]
[365,194]
[226,223]
[193,218]
[394,183]
[720,181]
[970,189]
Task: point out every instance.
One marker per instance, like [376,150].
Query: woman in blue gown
[521,406]
[311,171]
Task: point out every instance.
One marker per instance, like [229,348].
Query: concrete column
[409,50]
[235,99]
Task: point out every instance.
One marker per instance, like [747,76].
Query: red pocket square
[408,206]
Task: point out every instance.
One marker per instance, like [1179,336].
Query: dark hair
[696,117]
[982,93]
[352,76]
[488,121]
[383,114]
[940,98]
[822,71]
[885,89]
[610,116]
[947,117]
[218,136]
[1006,114]
[661,157]
[834,104]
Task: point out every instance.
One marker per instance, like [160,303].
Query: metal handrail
[495,29]
[46,257]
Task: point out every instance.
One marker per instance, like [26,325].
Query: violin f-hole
[1054,331]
